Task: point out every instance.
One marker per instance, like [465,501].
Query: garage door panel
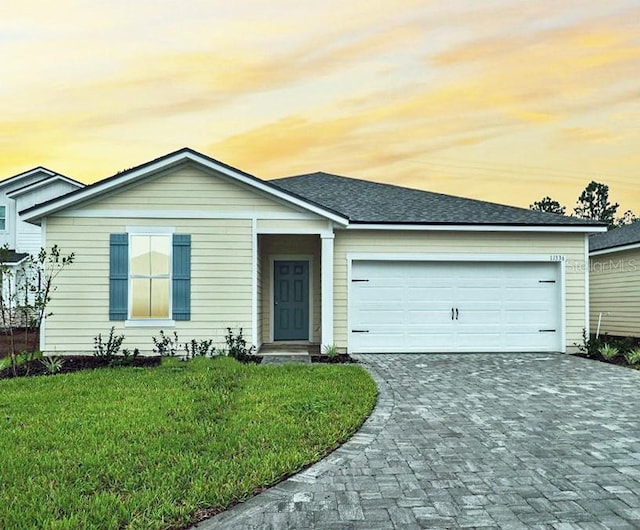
[406,306]
[527,318]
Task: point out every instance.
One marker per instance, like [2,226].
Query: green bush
[166,346]
[204,348]
[52,364]
[109,349]
[237,345]
[609,352]
[330,350]
[633,356]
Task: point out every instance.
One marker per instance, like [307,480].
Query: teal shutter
[181,277]
[118,276]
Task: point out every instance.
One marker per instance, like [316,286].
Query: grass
[153,448]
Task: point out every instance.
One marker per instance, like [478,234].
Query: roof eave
[479,227]
[616,248]
[30,187]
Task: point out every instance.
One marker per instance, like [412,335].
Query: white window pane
[159,258]
[159,298]
[139,252]
[140,297]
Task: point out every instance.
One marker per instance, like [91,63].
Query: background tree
[547,204]
[593,203]
[627,218]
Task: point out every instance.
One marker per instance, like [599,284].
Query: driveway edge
[287,489]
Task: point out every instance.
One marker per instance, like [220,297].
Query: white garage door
[413,306]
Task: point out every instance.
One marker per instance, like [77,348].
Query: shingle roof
[11,257]
[363,201]
[618,237]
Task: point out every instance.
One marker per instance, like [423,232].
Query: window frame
[149,322]
[6,224]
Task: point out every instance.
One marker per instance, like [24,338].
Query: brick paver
[474,441]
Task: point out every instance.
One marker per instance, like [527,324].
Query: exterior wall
[219,216]
[220,282]
[571,246]
[284,244]
[614,286]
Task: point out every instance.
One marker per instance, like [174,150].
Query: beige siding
[190,188]
[220,288]
[614,286]
[571,246]
[292,226]
[282,245]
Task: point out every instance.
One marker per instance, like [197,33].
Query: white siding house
[23,191]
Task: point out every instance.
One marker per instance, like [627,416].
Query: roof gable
[127,178]
[365,202]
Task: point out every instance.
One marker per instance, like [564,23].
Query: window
[149,277]
[3,218]
[150,272]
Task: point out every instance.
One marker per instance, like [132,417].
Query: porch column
[326,290]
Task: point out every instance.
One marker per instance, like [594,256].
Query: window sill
[150,323]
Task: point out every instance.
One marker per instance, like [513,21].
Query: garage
[454,306]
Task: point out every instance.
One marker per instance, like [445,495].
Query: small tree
[26,292]
[547,204]
[593,203]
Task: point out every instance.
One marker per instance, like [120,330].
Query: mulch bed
[341,358]
[620,360]
[74,363]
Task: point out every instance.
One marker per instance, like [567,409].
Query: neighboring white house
[20,192]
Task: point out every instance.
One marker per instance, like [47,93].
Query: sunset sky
[499,100]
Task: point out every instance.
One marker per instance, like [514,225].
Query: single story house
[186,243]
[614,281]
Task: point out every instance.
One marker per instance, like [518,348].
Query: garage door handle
[359,331]
[456,313]
[546,331]
[452,313]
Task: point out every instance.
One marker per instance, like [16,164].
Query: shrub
[633,356]
[203,348]
[330,350]
[609,352]
[237,345]
[107,350]
[128,357]
[590,346]
[52,364]
[166,346]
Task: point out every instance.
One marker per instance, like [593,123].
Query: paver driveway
[476,440]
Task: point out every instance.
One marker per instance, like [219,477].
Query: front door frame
[289,257]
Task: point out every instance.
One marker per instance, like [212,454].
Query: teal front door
[291,300]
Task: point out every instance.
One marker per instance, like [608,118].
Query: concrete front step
[286,358]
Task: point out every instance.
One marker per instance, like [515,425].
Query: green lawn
[150,448]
